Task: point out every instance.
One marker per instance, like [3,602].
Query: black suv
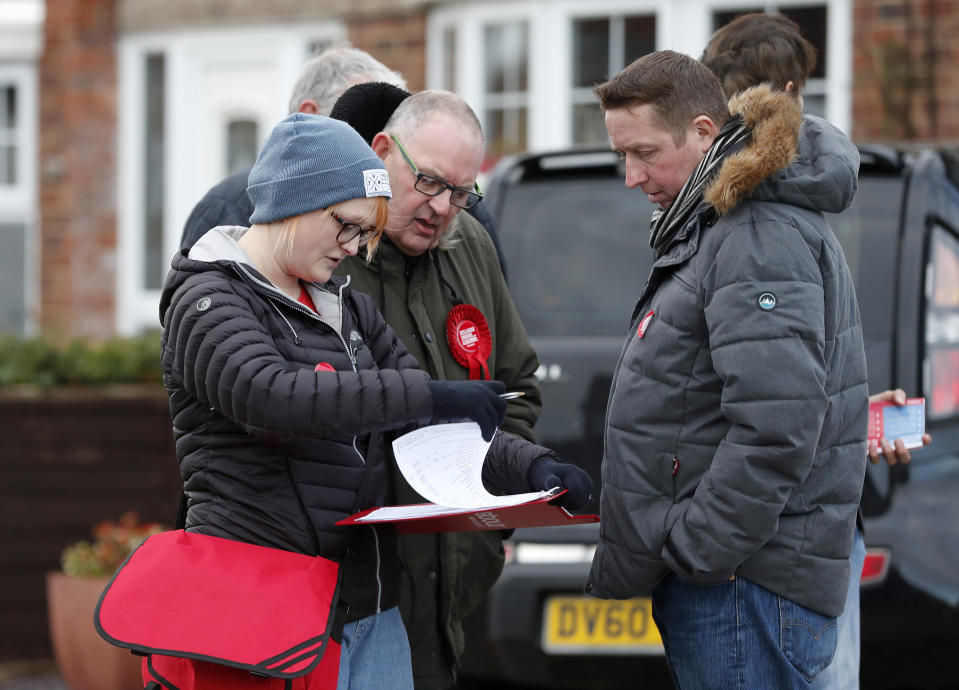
[576,243]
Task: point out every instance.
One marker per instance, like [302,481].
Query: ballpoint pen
[512,394]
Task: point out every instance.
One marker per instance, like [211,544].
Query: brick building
[122,113]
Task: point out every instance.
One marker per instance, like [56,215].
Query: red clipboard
[537,513]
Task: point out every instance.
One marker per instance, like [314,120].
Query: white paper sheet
[444,464]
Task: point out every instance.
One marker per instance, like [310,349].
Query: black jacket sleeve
[226,358]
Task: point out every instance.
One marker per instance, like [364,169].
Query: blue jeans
[843,672]
[738,635]
[375,654]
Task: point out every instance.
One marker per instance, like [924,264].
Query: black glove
[546,473]
[476,400]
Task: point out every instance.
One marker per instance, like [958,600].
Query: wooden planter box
[68,460]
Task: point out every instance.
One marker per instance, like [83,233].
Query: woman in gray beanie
[285,385]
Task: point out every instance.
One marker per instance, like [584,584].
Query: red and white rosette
[469,338]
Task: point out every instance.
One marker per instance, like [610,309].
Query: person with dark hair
[761,48]
[756,48]
[736,428]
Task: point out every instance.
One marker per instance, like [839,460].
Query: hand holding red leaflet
[892,415]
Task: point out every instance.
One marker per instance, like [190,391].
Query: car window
[868,232]
[579,253]
[871,219]
[941,328]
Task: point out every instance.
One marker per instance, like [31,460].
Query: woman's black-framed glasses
[434,186]
[349,231]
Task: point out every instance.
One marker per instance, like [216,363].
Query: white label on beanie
[377,182]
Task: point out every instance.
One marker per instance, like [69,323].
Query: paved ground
[30,675]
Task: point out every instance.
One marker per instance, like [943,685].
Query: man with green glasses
[437,279]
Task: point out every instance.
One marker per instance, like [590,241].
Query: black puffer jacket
[271,451]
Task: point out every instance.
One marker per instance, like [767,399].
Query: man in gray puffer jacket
[735,442]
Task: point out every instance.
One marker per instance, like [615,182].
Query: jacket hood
[798,160]
[216,250]
[219,250]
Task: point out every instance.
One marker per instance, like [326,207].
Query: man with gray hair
[322,80]
[325,77]
[436,278]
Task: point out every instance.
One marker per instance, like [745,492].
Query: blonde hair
[376,218]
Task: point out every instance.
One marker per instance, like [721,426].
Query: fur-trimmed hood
[790,158]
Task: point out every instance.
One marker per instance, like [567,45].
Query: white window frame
[18,198]
[195,122]
[21,43]
[684,27]
[836,86]
[550,36]
[582,95]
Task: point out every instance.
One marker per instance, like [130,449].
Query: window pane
[812,24]
[723,18]
[449,58]
[811,21]
[506,132]
[8,135]
[153,259]
[12,278]
[814,104]
[241,146]
[8,165]
[588,125]
[640,37]
[8,107]
[505,48]
[590,51]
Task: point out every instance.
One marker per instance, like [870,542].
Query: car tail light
[875,567]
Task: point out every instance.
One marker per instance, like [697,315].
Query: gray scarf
[665,224]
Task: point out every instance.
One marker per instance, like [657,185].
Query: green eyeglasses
[434,186]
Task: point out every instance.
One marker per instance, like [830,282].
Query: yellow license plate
[584,625]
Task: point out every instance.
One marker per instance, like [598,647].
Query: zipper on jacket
[379,582]
[675,472]
[351,353]
[272,294]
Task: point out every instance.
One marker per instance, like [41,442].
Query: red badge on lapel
[644,324]
[469,338]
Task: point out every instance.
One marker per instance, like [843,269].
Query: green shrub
[45,362]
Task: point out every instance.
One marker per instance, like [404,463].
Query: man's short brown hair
[756,48]
[678,87]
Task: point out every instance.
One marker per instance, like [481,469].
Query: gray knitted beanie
[312,162]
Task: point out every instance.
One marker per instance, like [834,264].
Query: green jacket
[448,574]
